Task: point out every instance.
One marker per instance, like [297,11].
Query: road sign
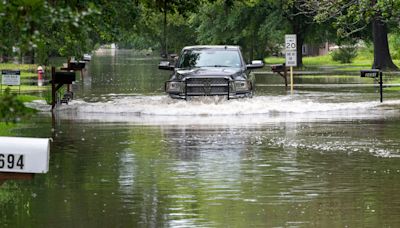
[24,155]
[291,58]
[291,50]
[10,77]
[290,42]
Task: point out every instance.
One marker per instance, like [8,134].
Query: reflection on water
[121,159]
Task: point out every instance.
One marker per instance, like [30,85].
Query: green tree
[353,16]
[171,7]
[40,28]
[235,22]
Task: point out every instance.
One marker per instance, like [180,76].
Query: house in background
[318,49]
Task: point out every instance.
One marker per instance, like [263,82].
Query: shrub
[12,109]
[344,54]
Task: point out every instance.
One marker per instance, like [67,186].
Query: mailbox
[76,65]
[373,73]
[24,155]
[376,74]
[64,77]
[278,68]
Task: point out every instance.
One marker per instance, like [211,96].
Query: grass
[28,98]
[6,128]
[29,68]
[363,60]
[27,71]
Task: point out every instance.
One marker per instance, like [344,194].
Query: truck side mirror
[165,65]
[255,64]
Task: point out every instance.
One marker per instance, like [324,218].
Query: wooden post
[285,74]
[15,176]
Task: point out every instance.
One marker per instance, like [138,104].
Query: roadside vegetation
[42,29]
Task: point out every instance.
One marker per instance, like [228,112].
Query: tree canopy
[44,28]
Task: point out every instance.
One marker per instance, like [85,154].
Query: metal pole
[291,80]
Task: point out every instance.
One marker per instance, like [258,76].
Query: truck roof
[230,47]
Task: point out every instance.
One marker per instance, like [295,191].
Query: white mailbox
[24,155]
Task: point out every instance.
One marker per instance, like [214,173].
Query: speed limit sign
[290,42]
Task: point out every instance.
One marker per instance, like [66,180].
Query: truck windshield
[210,58]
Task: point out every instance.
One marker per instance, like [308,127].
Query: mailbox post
[281,70]
[376,74]
[58,79]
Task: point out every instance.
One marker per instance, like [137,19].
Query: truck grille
[207,86]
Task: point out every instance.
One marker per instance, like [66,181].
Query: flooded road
[125,155]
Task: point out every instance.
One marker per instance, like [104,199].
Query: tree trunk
[382,58]
[253,43]
[164,52]
[299,47]
[299,30]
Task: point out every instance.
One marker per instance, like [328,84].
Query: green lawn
[31,68]
[5,129]
[364,60]
[27,71]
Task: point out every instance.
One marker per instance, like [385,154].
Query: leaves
[12,109]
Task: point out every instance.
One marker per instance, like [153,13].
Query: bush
[394,43]
[12,109]
[344,54]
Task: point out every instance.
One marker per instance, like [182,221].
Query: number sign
[10,77]
[290,42]
[24,155]
[291,49]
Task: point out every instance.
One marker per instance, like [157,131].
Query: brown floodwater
[125,155]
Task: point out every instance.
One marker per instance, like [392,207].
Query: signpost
[291,55]
[376,74]
[24,155]
[11,78]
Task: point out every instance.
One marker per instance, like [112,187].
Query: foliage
[345,54]
[40,29]
[352,18]
[250,24]
[394,44]
[43,28]
[11,108]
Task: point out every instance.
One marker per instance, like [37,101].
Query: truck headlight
[242,86]
[173,87]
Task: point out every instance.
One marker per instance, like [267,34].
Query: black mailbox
[76,65]
[373,73]
[64,77]
[376,74]
[278,68]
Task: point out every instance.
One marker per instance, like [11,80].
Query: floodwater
[125,155]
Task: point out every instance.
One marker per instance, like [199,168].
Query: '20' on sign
[290,42]
[12,161]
